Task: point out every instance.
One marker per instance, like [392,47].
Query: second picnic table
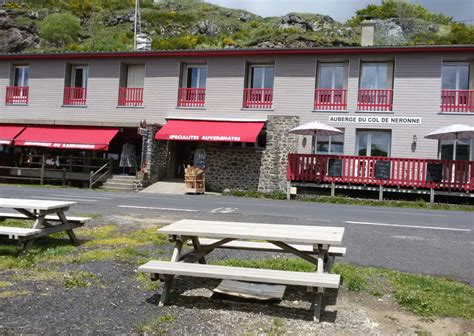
[314,244]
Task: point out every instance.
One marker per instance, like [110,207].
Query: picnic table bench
[311,243]
[48,216]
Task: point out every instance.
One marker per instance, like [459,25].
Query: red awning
[67,137]
[8,133]
[197,130]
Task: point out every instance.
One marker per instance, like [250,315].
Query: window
[331,76]
[75,92]
[329,144]
[375,76]
[196,76]
[135,76]
[79,76]
[373,143]
[261,76]
[132,81]
[456,149]
[455,76]
[20,75]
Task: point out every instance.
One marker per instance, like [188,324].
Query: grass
[155,325]
[423,295]
[419,204]
[78,279]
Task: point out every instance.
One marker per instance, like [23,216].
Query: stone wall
[275,156]
[156,154]
[231,168]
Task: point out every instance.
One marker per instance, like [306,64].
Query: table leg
[168,279]
[197,246]
[70,233]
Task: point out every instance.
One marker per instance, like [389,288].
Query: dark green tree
[60,29]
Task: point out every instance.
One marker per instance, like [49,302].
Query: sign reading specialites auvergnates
[376,120]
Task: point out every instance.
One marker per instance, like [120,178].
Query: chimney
[367,33]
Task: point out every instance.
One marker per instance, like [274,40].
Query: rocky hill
[42,25]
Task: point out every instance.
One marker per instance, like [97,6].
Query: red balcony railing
[393,172]
[457,101]
[330,99]
[130,97]
[191,97]
[75,96]
[258,98]
[375,100]
[17,95]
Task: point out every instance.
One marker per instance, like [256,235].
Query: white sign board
[380,120]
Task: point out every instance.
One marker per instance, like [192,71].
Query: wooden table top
[304,234]
[16,203]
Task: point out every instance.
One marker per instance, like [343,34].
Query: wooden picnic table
[48,216]
[311,243]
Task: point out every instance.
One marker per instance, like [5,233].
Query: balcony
[375,100]
[75,96]
[17,95]
[130,97]
[191,97]
[330,99]
[258,98]
[457,101]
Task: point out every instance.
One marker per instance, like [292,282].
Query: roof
[242,52]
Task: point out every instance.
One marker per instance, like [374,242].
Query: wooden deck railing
[130,97]
[390,172]
[330,99]
[258,98]
[75,96]
[375,100]
[457,101]
[17,95]
[191,97]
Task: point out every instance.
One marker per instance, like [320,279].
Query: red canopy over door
[67,137]
[8,133]
[197,130]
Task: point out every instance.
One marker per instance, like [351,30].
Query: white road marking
[398,212]
[154,208]
[224,210]
[408,237]
[72,199]
[80,196]
[409,226]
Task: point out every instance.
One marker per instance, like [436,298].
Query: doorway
[184,153]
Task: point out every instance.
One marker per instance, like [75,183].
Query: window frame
[250,75]
[457,65]
[330,140]
[390,69]
[333,80]
[13,77]
[85,76]
[369,141]
[186,75]
[455,143]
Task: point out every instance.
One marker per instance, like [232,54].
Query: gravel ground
[117,303]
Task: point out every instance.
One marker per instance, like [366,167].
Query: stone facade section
[156,156]
[275,156]
[231,167]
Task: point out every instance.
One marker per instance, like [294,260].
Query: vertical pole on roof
[135,26]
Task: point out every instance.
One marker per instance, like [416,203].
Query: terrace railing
[17,95]
[258,98]
[330,99]
[375,100]
[457,101]
[191,97]
[75,96]
[130,97]
[390,172]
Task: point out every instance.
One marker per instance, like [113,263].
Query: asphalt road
[412,240]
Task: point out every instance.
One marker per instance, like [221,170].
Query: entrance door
[373,143]
[184,156]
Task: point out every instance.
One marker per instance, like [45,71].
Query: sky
[342,10]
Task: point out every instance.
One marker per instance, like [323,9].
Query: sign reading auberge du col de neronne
[376,120]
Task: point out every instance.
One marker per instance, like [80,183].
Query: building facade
[385,100]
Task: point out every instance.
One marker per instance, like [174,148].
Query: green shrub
[60,29]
